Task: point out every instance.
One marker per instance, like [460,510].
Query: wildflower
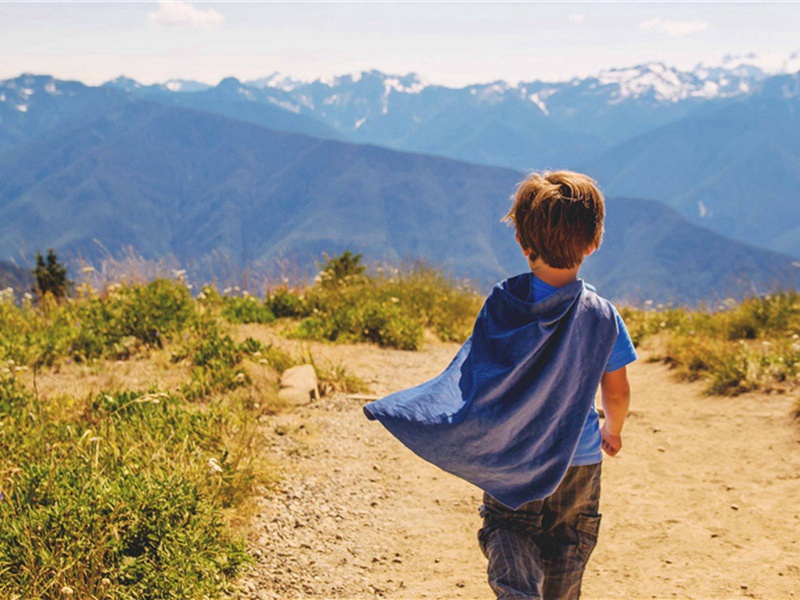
[213,466]
[179,273]
[88,269]
[239,377]
[67,591]
[394,300]
[648,303]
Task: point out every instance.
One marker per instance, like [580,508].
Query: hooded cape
[507,413]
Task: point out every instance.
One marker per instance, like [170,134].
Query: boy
[514,412]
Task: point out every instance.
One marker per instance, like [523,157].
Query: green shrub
[216,359]
[284,303]
[247,309]
[754,344]
[124,500]
[269,354]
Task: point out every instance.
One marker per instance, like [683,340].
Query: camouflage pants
[541,549]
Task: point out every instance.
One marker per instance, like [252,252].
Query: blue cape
[507,413]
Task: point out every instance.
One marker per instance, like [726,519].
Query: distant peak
[184,86]
[123,83]
[229,82]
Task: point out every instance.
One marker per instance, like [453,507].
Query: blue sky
[445,42]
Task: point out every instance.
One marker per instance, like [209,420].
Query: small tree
[51,276]
[342,270]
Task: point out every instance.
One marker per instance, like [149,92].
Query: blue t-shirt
[623,353]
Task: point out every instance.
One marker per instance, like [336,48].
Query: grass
[737,348]
[391,307]
[141,488]
[125,493]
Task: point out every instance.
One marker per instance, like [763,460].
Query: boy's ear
[590,250]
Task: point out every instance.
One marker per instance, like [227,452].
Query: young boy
[514,412]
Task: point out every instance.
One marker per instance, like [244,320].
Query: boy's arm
[616,396]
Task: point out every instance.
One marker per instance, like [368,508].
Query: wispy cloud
[673,28]
[577,18]
[184,14]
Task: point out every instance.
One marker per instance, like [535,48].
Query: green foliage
[269,354]
[247,309]
[342,270]
[751,345]
[357,319]
[121,500]
[284,303]
[216,359]
[111,326]
[50,276]
[391,309]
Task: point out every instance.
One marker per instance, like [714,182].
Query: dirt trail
[703,501]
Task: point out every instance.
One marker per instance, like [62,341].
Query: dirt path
[703,501]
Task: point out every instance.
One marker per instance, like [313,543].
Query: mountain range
[280,168]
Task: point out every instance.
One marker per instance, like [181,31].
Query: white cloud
[673,28]
[183,14]
[577,18]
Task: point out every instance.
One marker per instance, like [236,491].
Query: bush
[269,354]
[391,309]
[216,359]
[122,500]
[284,303]
[752,345]
[246,310]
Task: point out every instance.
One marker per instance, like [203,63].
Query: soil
[703,501]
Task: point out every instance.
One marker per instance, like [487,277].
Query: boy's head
[558,217]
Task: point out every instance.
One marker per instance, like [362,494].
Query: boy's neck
[551,276]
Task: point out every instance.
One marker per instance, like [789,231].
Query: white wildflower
[394,300]
[213,466]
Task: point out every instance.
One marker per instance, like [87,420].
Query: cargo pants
[541,549]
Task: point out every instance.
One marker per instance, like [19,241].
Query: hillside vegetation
[129,415]
[737,348]
[142,489]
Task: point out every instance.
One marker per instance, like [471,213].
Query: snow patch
[285,105]
[22,108]
[360,122]
[538,102]
[703,210]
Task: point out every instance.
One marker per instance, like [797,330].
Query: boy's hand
[611,443]
[616,398]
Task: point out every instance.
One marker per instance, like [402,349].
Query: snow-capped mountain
[768,63]
[33,104]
